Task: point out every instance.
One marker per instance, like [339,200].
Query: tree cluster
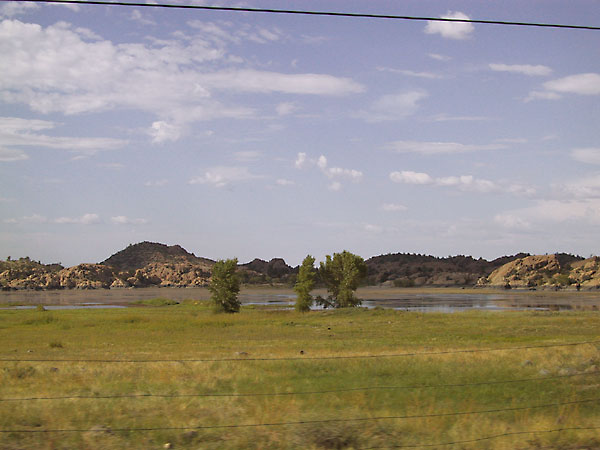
[341,273]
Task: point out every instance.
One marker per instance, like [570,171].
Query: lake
[408,299]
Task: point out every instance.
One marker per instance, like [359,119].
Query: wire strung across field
[274,394]
[308,422]
[300,358]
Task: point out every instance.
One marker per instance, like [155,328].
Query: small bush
[55,344]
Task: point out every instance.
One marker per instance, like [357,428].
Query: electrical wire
[311,13]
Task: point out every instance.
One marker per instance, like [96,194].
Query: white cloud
[583,188]
[524,69]
[162,131]
[16,132]
[248,155]
[511,221]
[448,118]
[322,164]
[284,182]
[410,177]
[300,160]
[335,186]
[371,228]
[583,84]
[286,108]
[554,211]
[393,106]
[123,220]
[12,9]
[64,69]
[439,57]
[393,207]
[157,183]
[451,30]
[11,155]
[467,183]
[248,80]
[86,219]
[222,176]
[434,148]
[137,16]
[411,73]
[586,155]
[542,95]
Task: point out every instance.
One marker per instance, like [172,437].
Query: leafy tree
[225,286]
[304,284]
[342,274]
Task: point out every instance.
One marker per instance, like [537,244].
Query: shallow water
[406,300]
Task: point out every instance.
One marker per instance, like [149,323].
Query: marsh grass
[190,330]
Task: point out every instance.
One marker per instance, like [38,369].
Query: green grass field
[325,394]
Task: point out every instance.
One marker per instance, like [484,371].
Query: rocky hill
[153,264]
[406,270]
[138,256]
[546,271]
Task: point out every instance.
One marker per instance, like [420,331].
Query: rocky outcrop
[546,271]
[86,276]
[140,255]
[169,275]
[406,270]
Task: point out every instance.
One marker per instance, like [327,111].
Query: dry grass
[191,331]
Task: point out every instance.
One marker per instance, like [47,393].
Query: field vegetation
[205,380]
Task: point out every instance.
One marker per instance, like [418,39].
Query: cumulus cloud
[86,219]
[393,106]
[580,84]
[524,69]
[451,30]
[410,177]
[301,160]
[586,155]
[434,148]
[65,69]
[222,176]
[12,9]
[333,173]
[124,220]
[162,131]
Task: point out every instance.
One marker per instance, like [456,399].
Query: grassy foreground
[191,331]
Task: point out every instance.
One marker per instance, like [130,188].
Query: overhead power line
[309,13]
[308,422]
[275,394]
[300,358]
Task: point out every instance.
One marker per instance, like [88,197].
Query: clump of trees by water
[341,273]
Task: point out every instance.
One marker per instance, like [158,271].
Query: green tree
[342,274]
[304,284]
[225,286]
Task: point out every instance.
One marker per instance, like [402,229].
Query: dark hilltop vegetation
[153,264]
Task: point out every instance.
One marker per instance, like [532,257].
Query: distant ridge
[138,256]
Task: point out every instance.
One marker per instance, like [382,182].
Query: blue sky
[263,135]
